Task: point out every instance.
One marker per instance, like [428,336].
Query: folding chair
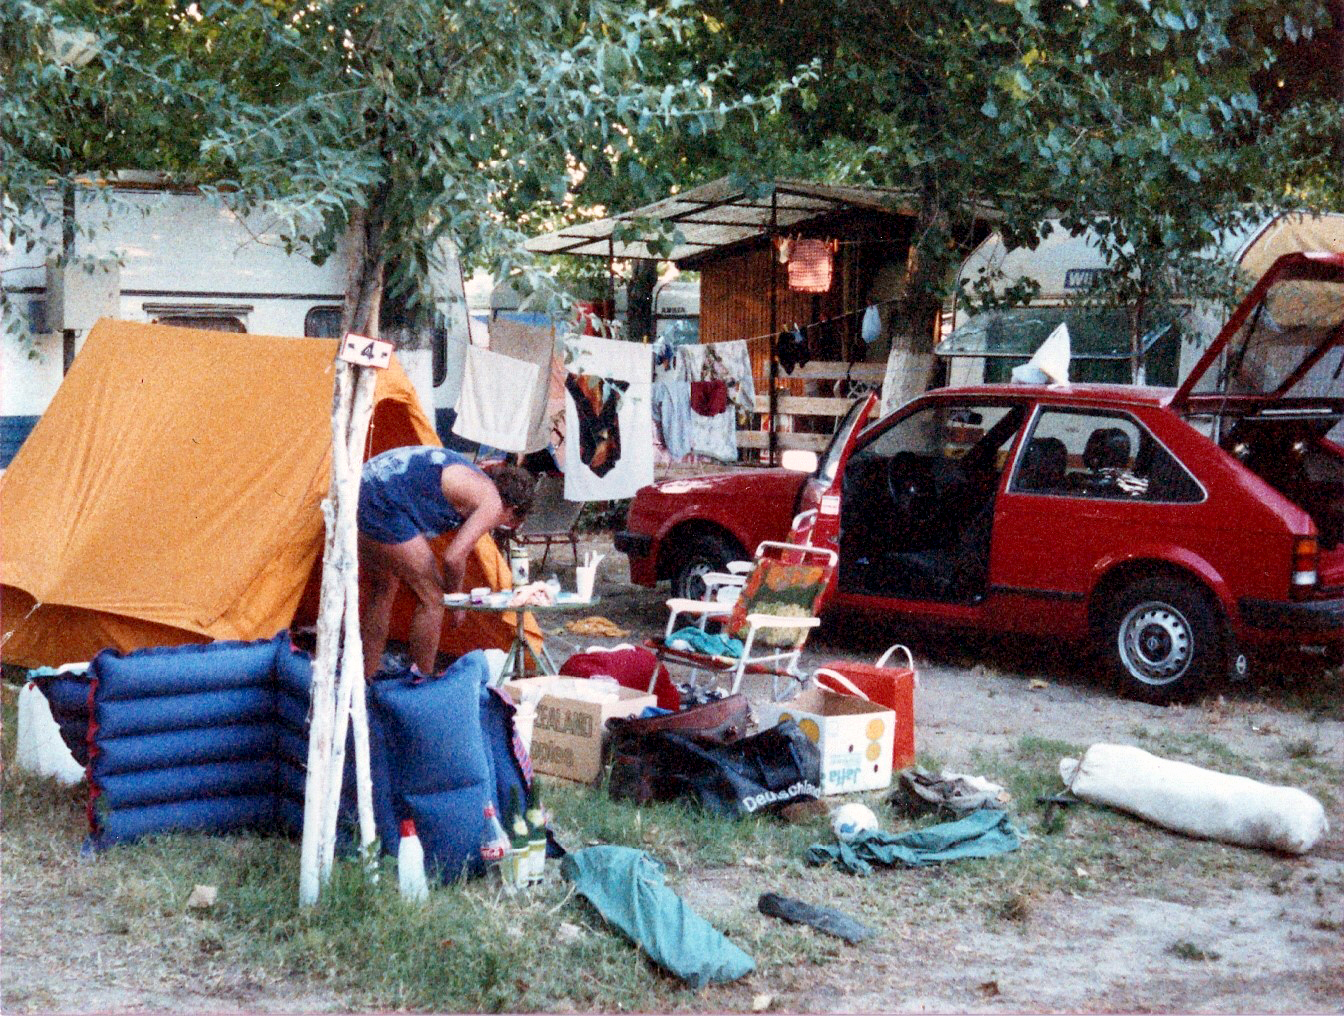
[725,586]
[551,520]
[772,616]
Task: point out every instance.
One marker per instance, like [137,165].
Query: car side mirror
[799,460]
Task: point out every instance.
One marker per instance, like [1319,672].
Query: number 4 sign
[365,352]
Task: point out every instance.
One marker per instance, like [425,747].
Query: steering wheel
[910,485]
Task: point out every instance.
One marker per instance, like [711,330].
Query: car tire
[702,554]
[1164,640]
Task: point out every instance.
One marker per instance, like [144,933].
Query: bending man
[408,496]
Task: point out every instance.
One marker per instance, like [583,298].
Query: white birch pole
[350,704]
[322,705]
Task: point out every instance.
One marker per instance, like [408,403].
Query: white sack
[1197,802]
[40,748]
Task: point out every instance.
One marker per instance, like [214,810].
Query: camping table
[515,663]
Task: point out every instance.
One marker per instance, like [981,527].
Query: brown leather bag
[721,722]
[634,772]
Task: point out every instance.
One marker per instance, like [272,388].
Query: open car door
[1282,350]
[817,519]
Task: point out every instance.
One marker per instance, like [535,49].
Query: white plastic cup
[584,578]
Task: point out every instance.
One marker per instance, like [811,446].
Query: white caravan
[985,346]
[174,257]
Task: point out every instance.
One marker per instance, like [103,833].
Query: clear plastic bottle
[411,864]
[536,831]
[494,841]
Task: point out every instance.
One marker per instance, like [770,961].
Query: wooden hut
[745,242]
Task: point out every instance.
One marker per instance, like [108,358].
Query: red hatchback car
[1179,529]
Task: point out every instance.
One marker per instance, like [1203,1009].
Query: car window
[1084,453]
[830,461]
[950,432]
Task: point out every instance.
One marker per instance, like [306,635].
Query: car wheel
[1163,639]
[701,555]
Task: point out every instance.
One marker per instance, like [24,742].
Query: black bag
[759,773]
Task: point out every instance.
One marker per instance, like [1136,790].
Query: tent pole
[774,331]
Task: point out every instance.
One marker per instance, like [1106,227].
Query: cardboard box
[854,737]
[568,731]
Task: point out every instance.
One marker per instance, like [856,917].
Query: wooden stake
[322,704]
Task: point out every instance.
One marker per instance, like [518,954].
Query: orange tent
[171,493]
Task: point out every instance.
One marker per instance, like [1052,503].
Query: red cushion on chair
[632,668]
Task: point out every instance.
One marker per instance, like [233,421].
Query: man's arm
[485,516]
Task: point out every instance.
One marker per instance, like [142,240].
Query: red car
[1179,529]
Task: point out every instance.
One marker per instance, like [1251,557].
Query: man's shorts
[382,518]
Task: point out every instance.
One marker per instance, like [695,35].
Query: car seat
[1107,448]
[1044,464]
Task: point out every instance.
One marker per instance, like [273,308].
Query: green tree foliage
[391,125]
[1137,119]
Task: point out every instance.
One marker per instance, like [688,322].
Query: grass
[472,949]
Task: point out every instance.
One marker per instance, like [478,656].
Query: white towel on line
[495,391]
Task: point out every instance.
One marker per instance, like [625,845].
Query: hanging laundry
[493,387]
[709,398]
[791,350]
[730,363]
[810,264]
[532,344]
[597,401]
[672,414]
[608,418]
[871,328]
[663,355]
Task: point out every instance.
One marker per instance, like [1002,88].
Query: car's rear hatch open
[1273,380]
[1283,347]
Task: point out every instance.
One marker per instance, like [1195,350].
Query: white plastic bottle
[411,864]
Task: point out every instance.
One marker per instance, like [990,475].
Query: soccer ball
[848,820]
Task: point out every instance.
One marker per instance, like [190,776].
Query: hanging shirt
[597,403]
[730,363]
[672,414]
[608,418]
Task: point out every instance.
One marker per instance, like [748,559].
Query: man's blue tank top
[409,478]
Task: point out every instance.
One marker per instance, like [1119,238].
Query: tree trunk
[910,363]
[639,302]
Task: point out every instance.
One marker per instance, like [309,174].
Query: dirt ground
[1269,942]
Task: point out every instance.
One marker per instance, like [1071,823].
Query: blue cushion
[436,762]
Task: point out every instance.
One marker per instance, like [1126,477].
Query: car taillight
[1304,565]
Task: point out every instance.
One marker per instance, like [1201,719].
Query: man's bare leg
[414,563]
[375,611]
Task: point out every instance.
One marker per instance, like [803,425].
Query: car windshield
[830,462]
[1288,326]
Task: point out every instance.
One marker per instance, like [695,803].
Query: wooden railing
[790,407]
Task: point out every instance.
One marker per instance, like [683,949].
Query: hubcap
[1156,643]
[694,586]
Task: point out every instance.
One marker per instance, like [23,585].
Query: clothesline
[804,328]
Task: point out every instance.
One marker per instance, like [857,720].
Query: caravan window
[322,323]
[209,322]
